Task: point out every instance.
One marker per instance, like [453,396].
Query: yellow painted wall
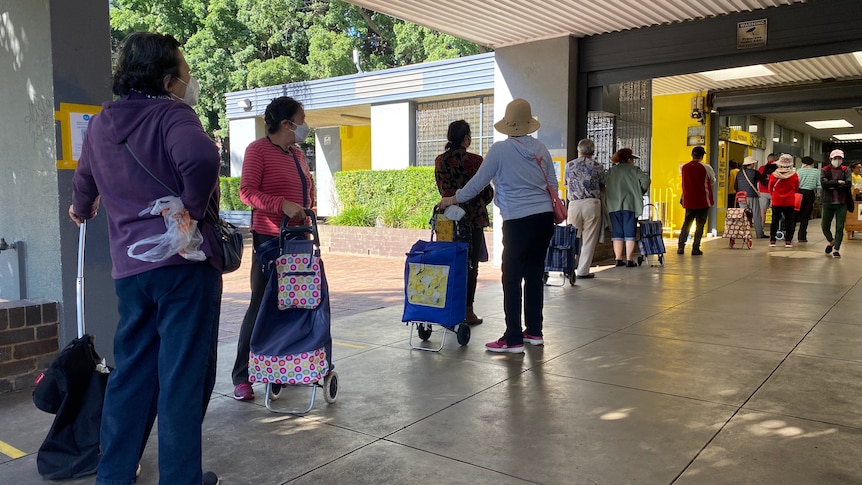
[355,147]
[671,117]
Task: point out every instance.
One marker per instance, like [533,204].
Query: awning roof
[499,23]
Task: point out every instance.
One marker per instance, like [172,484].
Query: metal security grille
[602,129]
[432,122]
[634,129]
[630,128]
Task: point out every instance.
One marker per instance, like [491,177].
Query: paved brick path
[357,284]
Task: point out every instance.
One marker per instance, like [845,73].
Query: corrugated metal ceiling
[499,23]
[801,71]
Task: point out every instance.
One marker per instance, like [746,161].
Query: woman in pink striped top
[276,182]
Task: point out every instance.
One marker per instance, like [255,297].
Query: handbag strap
[754,187]
[538,160]
[151,174]
[213,218]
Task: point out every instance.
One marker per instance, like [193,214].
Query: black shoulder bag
[229,235]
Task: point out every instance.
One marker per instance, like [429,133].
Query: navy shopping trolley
[291,343]
[562,253]
[650,240]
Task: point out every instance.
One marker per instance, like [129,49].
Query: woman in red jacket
[783,184]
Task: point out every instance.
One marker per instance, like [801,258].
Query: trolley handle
[653,210]
[294,232]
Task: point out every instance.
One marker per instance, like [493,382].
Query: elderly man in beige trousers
[585,181]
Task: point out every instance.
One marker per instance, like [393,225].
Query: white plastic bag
[181,237]
[454,213]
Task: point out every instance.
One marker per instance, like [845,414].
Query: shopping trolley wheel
[463,334]
[732,242]
[545,278]
[779,235]
[330,387]
[750,243]
[640,260]
[424,331]
[661,259]
[572,278]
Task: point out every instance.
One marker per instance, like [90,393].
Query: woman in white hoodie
[520,168]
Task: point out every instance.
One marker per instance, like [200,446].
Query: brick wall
[28,341]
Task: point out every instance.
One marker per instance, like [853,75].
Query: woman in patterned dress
[453,169]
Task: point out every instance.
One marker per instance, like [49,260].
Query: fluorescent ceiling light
[757,70]
[848,136]
[827,124]
[858,56]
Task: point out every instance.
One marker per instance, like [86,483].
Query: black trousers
[258,281]
[789,215]
[805,211]
[476,245]
[698,215]
[525,242]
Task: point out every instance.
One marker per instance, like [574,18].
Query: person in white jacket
[520,168]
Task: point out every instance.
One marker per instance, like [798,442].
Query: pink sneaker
[533,339]
[500,346]
[243,392]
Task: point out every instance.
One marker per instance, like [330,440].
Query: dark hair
[733,164]
[458,130]
[698,152]
[144,61]
[280,109]
[807,161]
[772,156]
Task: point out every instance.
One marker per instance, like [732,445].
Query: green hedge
[230,201]
[391,198]
[394,198]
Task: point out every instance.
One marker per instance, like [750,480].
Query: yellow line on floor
[11,451]
[352,346]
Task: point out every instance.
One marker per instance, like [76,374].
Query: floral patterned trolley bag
[291,342]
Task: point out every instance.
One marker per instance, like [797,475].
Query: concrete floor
[740,366]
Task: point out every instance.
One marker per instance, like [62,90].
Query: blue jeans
[525,242]
[165,353]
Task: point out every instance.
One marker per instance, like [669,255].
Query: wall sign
[751,34]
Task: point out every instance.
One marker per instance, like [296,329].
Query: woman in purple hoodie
[146,145]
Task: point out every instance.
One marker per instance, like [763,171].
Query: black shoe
[619,262]
[836,254]
[680,251]
[210,478]
[588,275]
[696,252]
[828,249]
[630,264]
[802,240]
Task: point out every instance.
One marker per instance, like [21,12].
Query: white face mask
[301,131]
[193,89]
[837,162]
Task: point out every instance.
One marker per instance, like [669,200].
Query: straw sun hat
[519,119]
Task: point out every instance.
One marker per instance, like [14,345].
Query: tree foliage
[232,45]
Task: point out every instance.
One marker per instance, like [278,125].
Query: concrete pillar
[328,155]
[52,52]
[545,74]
